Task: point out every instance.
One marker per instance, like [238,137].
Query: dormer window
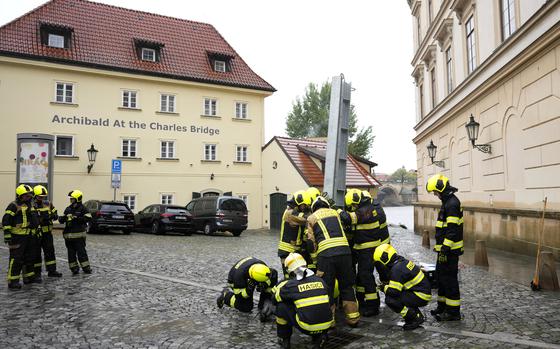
[148,54]
[149,51]
[220,62]
[220,66]
[56,40]
[56,35]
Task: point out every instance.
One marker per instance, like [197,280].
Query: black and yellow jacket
[449,226]
[75,217]
[311,300]
[370,226]
[325,233]
[239,275]
[404,275]
[47,214]
[20,218]
[291,232]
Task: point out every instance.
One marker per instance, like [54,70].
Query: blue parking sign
[116,166]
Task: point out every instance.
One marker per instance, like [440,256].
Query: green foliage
[310,118]
[403,174]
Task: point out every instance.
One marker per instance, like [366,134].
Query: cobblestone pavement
[159,292]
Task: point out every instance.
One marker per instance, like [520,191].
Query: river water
[400,215]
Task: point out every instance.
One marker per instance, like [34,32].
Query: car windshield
[114,208]
[176,210]
[233,205]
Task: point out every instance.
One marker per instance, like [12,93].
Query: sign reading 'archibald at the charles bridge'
[132,124]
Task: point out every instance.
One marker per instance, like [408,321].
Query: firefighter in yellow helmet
[303,303]
[406,287]
[313,193]
[449,246]
[76,217]
[19,221]
[293,226]
[47,214]
[246,276]
[334,258]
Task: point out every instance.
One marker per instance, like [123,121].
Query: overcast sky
[293,42]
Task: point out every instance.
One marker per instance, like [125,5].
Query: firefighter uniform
[75,218]
[47,214]
[18,222]
[242,283]
[290,234]
[406,288]
[334,259]
[449,246]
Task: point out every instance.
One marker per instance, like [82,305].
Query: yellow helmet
[294,261]
[319,202]
[23,189]
[301,197]
[76,194]
[437,183]
[259,272]
[352,197]
[384,253]
[39,190]
[313,193]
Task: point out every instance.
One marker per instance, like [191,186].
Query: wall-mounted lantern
[92,155]
[472,130]
[432,149]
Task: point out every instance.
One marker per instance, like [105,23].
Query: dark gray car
[218,213]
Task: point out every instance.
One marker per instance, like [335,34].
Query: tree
[402,175]
[310,118]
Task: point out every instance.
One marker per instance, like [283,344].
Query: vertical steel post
[337,141]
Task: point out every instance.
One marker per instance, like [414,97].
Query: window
[64,145]
[148,54]
[430,10]
[418,34]
[168,103]
[128,148]
[220,66]
[210,152]
[166,199]
[167,149]
[55,40]
[245,198]
[64,92]
[433,86]
[508,17]
[471,45]
[241,110]
[449,69]
[421,97]
[130,200]
[241,153]
[129,99]
[210,105]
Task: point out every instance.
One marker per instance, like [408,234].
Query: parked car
[218,213]
[108,215]
[159,219]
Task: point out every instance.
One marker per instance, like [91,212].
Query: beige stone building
[169,97]
[498,61]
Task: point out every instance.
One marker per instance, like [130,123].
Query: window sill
[210,116]
[66,157]
[242,120]
[131,109]
[168,159]
[167,113]
[129,158]
[210,161]
[242,162]
[66,104]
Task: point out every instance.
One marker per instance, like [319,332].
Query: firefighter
[334,258]
[406,288]
[18,222]
[313,193]
[244,277]
[449,246]
[47,214]
[76,217]
[370,231]
[303,303]
[292,228]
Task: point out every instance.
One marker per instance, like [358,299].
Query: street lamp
[472,130]
[432,149]
[91,154]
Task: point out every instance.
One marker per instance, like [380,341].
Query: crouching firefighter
[406,289]
[303,303]
[47,214]
[244,277]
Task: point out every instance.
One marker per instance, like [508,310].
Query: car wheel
[156,229]
[208,230]
[237,232]
[89,228]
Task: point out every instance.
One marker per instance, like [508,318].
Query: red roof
[104,36]
[300,152]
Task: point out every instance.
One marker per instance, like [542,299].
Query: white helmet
[294,261]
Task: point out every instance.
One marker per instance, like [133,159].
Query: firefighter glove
[445,249]
[251,284]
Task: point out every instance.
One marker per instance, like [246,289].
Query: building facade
[169,97]
[499,62]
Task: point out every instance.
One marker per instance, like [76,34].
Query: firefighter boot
[75,271]
[449,316]
[319,340]
[285,343]
[413,319]
[14,285]
[54,273]
[439,310]
[37,279]
[87,270]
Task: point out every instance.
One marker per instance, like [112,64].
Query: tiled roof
[300,152]
[104,36]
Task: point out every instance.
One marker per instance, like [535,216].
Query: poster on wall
[34,162]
